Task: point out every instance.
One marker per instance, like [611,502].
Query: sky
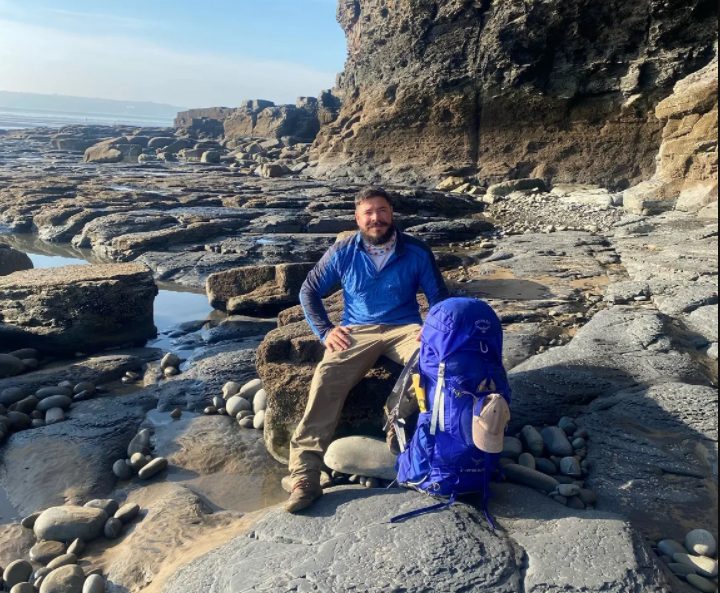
[188,53]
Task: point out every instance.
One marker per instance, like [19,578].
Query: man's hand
[337,340]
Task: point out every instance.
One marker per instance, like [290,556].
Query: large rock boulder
[116,150]
[256,287]
[12,260]
[556,90]
[259,120]
[203,123]
[77,308]
[66,524]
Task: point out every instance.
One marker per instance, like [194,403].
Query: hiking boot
[304,495]
[392,440]
[326,481]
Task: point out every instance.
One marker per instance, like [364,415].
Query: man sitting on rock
[381,270]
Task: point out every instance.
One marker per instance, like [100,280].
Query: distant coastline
[20,119]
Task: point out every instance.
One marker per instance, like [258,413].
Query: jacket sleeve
[432,281]
[318,283]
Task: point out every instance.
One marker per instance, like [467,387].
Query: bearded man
[381,271]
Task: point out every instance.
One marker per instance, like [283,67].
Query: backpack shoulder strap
[438,416]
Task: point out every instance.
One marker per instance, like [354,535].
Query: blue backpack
[460,365]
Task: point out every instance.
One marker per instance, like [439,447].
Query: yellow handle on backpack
[420,394]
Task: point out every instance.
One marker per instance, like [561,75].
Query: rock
[113,528]
[701,543]
[176,414]
[76,548]
[531,478]
[64,560]
[259,420]
[571,467]
[588,496]
[91,308]
[533,441]
[211,157]
[46,392]
[247,422]
[670,547]
[575,503]
[116,150]
[84,386]
[122,470]
[29,521]
[54,416]
[170,360]
[210,411]
[171,372]
[546,466]
[140,443]
[128,513]
[12,260]
[251,389]
[65,524]
[23,588]
[512,448]
[231,389]
[17,572]
[10,366]
[504,189]
[56,401]
[68,579]
[153,468]
[556,441]
[46,552]
[11,395]
[109,505]
[681,570]
[527,460]
[362,456]
[25,406]
[244,414]
[702,584]
[706,567]
[18,421]
[568,490]
[237,404]
[579,444]
[94,584]
[560,499]
[260,402]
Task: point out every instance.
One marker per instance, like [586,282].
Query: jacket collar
[399,248]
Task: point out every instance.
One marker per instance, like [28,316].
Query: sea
[20,119]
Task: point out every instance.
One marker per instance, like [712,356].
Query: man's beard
[383,239]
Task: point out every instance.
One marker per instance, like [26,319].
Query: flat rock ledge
[72,309]
[346,543]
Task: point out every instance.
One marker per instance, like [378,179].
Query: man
[381,270]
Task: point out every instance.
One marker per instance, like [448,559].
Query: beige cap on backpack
[489,427]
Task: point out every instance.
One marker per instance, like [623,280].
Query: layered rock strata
[562,91]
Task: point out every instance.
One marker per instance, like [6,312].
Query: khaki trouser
[334,378]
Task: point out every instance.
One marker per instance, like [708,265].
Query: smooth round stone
[575,503]
[568,490]
[669,547]
[561,499]
[11,395]
[579,444]
[68,579]
[77,547]
[122,470]
[94,584]
[504,461]
[527,460]
[176,414]
[259,421]
[31,363]
[23,588]
[222,412]
[47,392]
[54,416]
[138,461]
[587,496]
[581,434]
[46,552]
[25,353]
[244,414]
[55,401]
[567,425]
[66,384]
[533,441]
[91,570]
[113,528]
[372,484]
[29,521]
[571,467]
[68,523]
[17,572]
[512,448]
[170,360]
[153,468]
[37,424]
[532,478]
[140,443]
[19,421]
[25,406]
[362,456]
[84,386]
[210,411]
[546,466]
[706,567]
[231,389]
[556,441]
[171,372]
[128,513]
[237,404]
[701,543]
[681,570]
[109,505]
[260,401]
[702,584]
[64,560]
[83,396]
[251,389]
[248,422]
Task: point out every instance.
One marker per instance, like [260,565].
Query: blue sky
[183,52]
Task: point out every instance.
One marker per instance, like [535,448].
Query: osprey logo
[484,325]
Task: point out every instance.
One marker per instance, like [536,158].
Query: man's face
[375,218]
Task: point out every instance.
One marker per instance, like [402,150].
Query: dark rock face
[302,121]
[554,90]
[12,260]
[203,123]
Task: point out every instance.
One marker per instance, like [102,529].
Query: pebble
[567,425]
[702,584]
[557,442]
[587,496]
[681,570]
[546,466]
[512,448]
[138,461]
[176,414]
[576,503]
[109,505]
[706,567]
[561,499]
[19,421]
[122,470]
[244,414]
[527,460]
[231,389]
[259,421]
[140,443]
[11,395]
[23,588]
[68,579]
[47,392]
[153,468]
[670,547]
[533,441]
[29,521]
[77,547]
[37,424]
[17,572]
[210,411]
[25,406]
[531,478]
[372,483]
[64,560]
[84,386]
[45,552]
[171,372]
[251,389]
[113,528]
[83,396]
[132,375]
[128,380]
[237,404]
[701,543]
[55,401]
[170,360]
[67,523]
[260,401]
[570,467]
[54,416]
[94,584]
[581,434]
[128,513]
[362,456]
[568,490]
[248,422]
[579,444]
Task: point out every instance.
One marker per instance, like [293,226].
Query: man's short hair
[369,193]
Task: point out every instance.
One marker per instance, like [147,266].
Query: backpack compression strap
[432,509]
[438,416]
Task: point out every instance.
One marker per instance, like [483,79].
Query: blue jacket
[371,298]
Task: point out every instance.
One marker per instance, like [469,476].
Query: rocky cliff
[565,91]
